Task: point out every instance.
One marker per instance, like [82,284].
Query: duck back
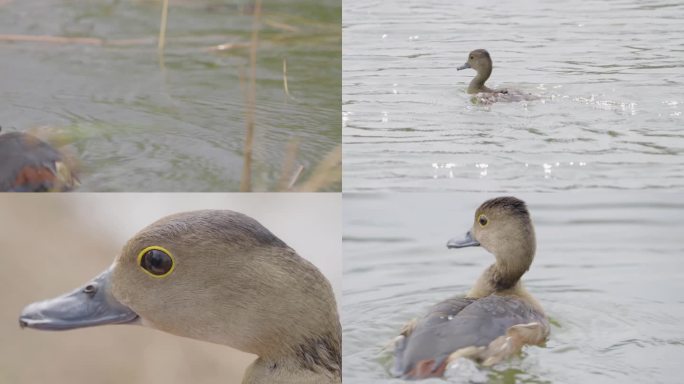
[454,324]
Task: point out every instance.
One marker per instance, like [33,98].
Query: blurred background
[89,74]
[51,244]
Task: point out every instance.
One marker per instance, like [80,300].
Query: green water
[139,124]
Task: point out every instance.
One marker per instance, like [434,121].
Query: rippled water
[139,126]
[608,271]
[609,74]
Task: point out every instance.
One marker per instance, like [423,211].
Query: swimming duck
[217,276]
[481,62]
[496,317]
[28,164]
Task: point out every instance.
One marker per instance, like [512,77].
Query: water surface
[608,271]
[138,124]
[609,75]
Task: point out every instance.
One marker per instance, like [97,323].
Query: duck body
[502,96]
[28,164]
[455,324]
[494,320]
[216,276]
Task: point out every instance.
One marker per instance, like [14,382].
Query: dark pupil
[483,220]
[471,57]
[156,262]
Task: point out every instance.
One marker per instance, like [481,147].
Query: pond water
[608,271]
[609,76]
[140,124]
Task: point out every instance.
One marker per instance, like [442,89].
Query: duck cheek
[482,235]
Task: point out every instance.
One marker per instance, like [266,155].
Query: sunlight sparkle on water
[483,167]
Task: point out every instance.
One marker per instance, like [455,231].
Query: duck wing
[455,324]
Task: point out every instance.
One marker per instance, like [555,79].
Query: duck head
[481,62]
[503,227]
[217,276]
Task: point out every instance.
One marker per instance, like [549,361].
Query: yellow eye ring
[482,219]
[156,261]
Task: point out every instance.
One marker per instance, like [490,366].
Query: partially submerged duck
[481,62]
[217,276]
[28,164]
[496,318]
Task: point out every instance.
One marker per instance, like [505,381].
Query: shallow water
[608,272]
[609,75]
[141,125]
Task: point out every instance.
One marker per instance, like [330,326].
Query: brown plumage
[28,164]
[481,62]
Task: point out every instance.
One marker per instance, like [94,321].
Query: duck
[29,164]
[496,318]
[481,62]
[217,276]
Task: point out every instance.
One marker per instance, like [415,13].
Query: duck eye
[156,261]
[482,220]
[471,57]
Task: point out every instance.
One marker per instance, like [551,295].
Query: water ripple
[609,80]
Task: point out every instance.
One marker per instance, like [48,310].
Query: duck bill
[464,66]
[87,306]
[468,241]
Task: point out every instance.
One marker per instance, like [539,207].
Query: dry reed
[246,180]
[162,27]
[326,174]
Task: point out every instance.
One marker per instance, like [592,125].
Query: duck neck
[500,276]
[308,347]
[316,361]
[477,84]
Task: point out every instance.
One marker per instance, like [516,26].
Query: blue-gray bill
[468,241]
[88,306]
[464,66]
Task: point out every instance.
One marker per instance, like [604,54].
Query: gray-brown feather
[458,323]
[19,150]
